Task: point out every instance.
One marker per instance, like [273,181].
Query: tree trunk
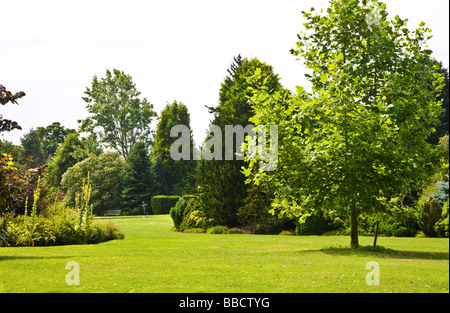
[354,242]
[376,235]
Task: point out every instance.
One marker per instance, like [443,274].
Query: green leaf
[323,78]
[246,171]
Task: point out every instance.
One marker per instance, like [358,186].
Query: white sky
[173,49]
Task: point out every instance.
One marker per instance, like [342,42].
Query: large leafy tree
[119,117]
[222,184]
[33,154]
[178,174]
[442,126]
[359,138]
[105,176]
[40,144]
[52,137]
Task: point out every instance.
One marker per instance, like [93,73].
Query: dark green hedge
[162,204]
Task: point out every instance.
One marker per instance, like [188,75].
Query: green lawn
[152,258]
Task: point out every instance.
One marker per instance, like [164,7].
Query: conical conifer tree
[222,183]
[138,179]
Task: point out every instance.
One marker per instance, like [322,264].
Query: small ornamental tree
[358,139]
[5,97]
[6,162]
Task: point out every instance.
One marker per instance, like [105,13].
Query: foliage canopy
[119,116]
[358,139]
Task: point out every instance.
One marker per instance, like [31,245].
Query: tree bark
[376,235]
[354,242]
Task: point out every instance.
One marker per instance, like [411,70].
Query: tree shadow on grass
[31,257]
[383,252]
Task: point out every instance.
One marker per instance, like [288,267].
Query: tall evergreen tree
[138,178]
[175,171]
[64,158]
[73,150]
[222,184]
[160,185]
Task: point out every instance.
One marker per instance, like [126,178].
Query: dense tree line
[365,150]
[126,179]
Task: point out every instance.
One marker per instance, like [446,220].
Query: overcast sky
[173,49]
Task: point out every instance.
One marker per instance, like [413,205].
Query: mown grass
[152,258]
